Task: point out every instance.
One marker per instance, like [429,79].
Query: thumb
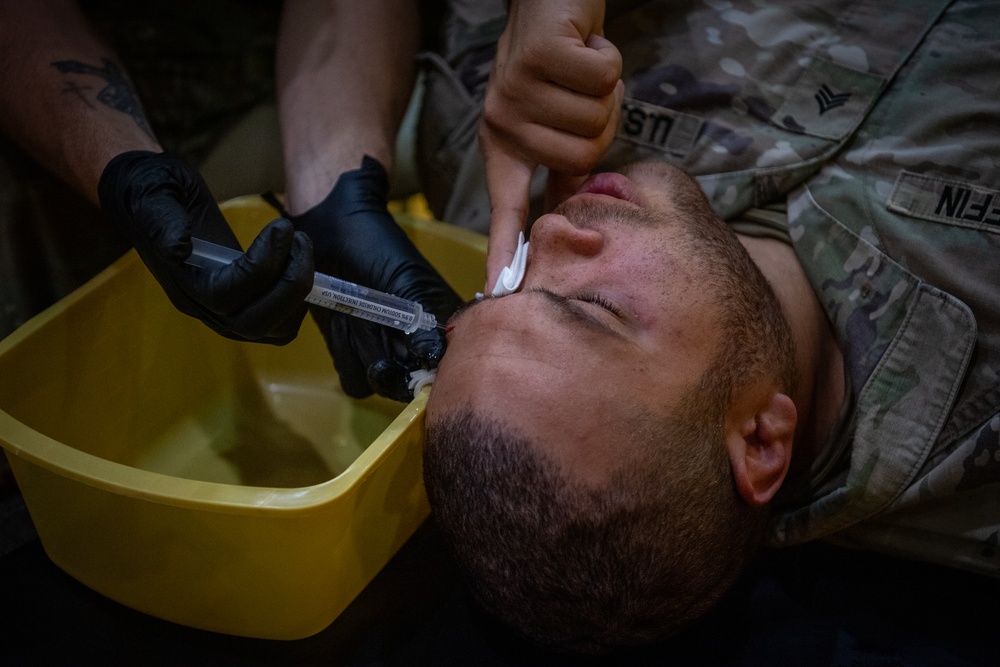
[508,181]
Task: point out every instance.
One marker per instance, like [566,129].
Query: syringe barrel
[334,293]
[370,304]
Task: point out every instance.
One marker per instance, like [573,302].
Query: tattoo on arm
[80,92]
[117,93]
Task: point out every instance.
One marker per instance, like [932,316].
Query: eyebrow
[468,305]
[569,308]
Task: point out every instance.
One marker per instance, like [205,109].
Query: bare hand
[553,99]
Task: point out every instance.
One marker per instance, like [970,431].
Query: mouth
[611,184]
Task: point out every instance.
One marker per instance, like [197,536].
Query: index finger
[508,181]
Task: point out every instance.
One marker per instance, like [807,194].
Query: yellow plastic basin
[226,486]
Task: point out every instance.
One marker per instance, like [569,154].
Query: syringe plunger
[334,293]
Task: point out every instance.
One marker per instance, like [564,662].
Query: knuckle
[595,121]
[534,58]
[607,78]
[495,114]
[491,108]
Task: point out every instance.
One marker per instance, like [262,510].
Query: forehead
[571,390]
[540,349]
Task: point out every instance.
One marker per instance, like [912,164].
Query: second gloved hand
[159,201]
[356,239]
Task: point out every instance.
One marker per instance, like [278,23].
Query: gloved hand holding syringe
[334,293]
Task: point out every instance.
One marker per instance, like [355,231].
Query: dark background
[811,605]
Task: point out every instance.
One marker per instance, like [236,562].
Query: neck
[819,392]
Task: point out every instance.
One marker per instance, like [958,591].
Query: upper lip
[612,185]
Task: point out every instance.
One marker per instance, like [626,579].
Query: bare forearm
[64,96]
[345,73]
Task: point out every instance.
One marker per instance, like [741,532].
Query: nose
[555,233]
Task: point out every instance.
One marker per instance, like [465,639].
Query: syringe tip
[428,321]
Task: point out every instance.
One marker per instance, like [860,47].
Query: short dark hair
[589,569]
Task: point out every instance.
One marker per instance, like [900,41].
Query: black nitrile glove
[159,201]
[356,239]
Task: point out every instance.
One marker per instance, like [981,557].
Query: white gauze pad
[508,282]
[511,276]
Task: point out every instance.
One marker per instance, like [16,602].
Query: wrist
[312,172]
[312,186]
[83,165]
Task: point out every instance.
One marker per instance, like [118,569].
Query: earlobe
[760,449]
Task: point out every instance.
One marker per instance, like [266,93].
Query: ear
[760,449]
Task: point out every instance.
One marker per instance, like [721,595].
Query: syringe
[334,293]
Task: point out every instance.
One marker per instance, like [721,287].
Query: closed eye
[603,302]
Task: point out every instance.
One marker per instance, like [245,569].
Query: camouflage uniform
[874,124]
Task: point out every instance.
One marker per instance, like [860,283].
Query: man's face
[613,311]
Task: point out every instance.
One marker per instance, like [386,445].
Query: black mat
[815,605]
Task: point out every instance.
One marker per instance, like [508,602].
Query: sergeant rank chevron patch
[828,99]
